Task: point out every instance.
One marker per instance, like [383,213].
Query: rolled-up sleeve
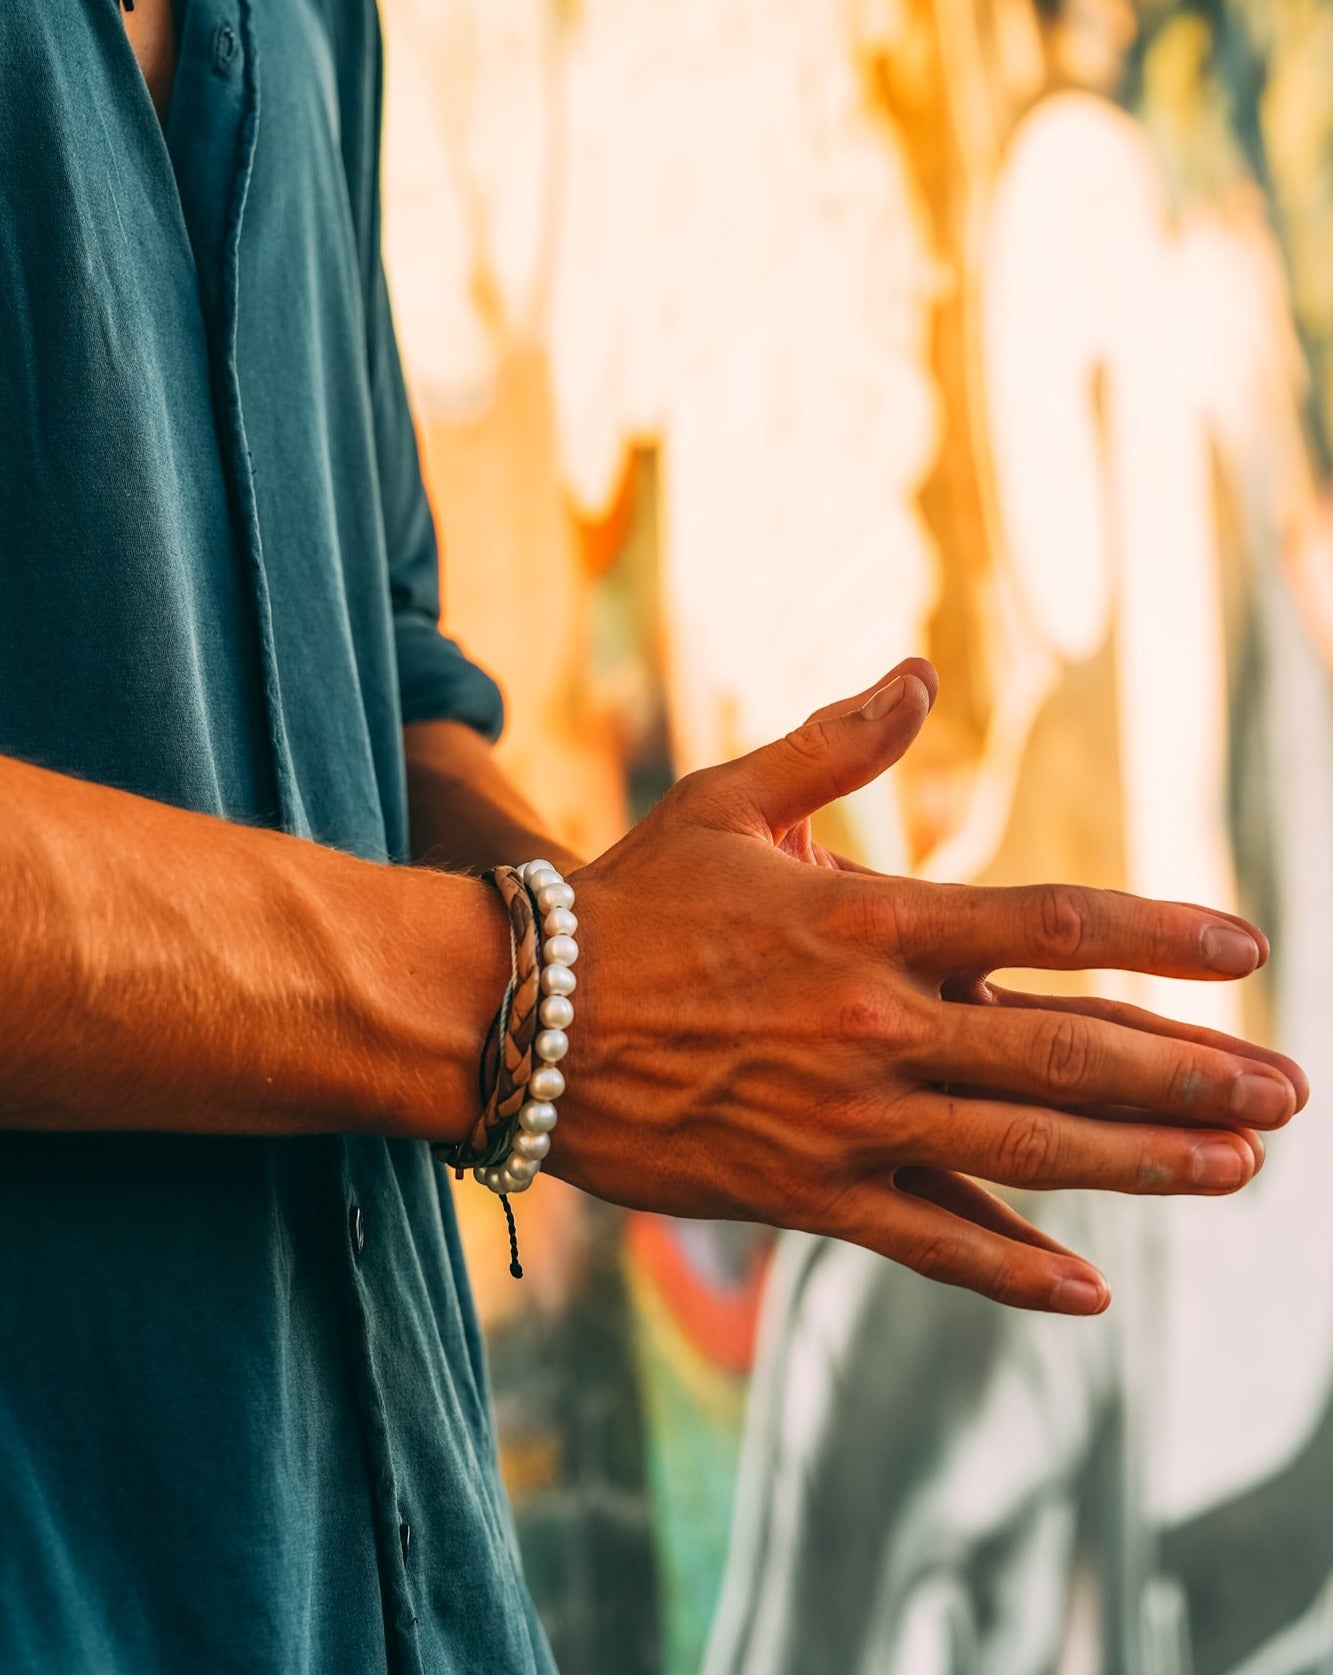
[437,681]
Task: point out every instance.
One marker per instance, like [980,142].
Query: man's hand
[812,1046]
[763,1039]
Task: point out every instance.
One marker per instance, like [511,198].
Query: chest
[151,27]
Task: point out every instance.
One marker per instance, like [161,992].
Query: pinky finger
[956,1250]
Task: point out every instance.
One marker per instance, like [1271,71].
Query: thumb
[841,748]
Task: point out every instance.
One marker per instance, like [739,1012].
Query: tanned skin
[765,1031]
[151,28]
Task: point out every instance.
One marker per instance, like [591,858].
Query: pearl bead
[511,1183]
[562,950]
[551,1045]
[538,1116]
[555,1011]
[489,1176]
[532,1146]
[558,980]
[538,881]
[525,872]
[521,1169]
[558,894]
[560,922]
[546,1083]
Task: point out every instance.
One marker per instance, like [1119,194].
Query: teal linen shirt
[244,1420]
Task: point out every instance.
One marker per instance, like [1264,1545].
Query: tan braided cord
[493,1133]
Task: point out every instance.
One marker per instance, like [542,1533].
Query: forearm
[464,812]
[166,970]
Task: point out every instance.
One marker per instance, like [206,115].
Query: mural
[758,345]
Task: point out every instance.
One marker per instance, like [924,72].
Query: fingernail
[1214,1163]
[878,704]
[1080,1296]
[1256,1144]
[1259,1099]
[1228,950]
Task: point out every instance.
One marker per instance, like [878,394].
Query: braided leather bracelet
[520,1080]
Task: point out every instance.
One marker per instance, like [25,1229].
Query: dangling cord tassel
[515,1266]
[128,5]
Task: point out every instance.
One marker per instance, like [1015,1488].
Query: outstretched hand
[818,1047]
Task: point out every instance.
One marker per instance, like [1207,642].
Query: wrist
[565,861]
[524,1081]
[453,967]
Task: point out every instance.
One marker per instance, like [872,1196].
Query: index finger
[945,929]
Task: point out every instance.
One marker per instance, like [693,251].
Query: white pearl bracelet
[553,899]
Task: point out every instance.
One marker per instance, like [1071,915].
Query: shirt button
[405,1536]
[224,50]
[356,1229]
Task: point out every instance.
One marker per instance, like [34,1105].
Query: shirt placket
[369,1271]
[213,133]
[213,144]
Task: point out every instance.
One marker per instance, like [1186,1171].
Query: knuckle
[894,917]
[874,914]
[855,1129]
[864,915]
[928,914]
[999,1282]
[1156,1168]
[814,748]
[1027,1150]
[833,1208]
[916,1025]
[1066,920]
[860,1014]
[810,742]
[1064,1054]
[704,797]
[933,1258]
[1185,1084]
[688,790]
